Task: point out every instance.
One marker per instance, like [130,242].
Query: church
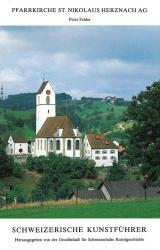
[59,135]
[54,133]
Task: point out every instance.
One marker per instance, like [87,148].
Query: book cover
[79,124]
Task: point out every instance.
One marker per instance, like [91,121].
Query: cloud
[68,61]
[9,43]
[12,80]
[91,61]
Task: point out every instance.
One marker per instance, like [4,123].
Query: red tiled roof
[98,141]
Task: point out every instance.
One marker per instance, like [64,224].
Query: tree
[6,163]
[117,172]
[144,137]
[60,175]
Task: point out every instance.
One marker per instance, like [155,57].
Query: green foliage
[18,170]
[2,202]
[144,136]
[60,174]
[117,172]
[20,194]
[36,163]
[6,163]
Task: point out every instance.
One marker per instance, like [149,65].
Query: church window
[69,145]
[41,144]
[47,100]
[77,144]
[51,145]
[58,145]
[48,110]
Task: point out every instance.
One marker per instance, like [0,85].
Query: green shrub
[18,170]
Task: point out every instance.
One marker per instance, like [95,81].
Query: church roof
[42,87]
[98,141]
[52,124]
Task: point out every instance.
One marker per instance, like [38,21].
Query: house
[127,189]
[17,145]
[54,133]
[110,99]
[97,148]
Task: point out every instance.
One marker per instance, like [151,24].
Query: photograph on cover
[79,122]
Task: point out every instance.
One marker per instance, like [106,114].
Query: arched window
[47,99]
[58,145]
[69,145]
[77,144]
[51,145]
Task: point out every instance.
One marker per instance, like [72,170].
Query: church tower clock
[45,104]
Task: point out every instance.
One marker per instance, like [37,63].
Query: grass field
[116,209]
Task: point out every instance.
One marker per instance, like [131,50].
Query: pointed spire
[43,77]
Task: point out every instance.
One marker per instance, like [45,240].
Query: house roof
[18,138]
[52,124]
[129,189]
[98,141]
[42,87]
[90,194]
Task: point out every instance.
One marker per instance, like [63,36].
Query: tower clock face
[48,92]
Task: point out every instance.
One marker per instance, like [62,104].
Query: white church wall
[40,147]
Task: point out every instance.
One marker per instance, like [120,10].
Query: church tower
[45,104]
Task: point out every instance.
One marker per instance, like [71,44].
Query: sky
[91,61]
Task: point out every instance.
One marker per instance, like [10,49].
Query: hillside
[17,114]
[26,101]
